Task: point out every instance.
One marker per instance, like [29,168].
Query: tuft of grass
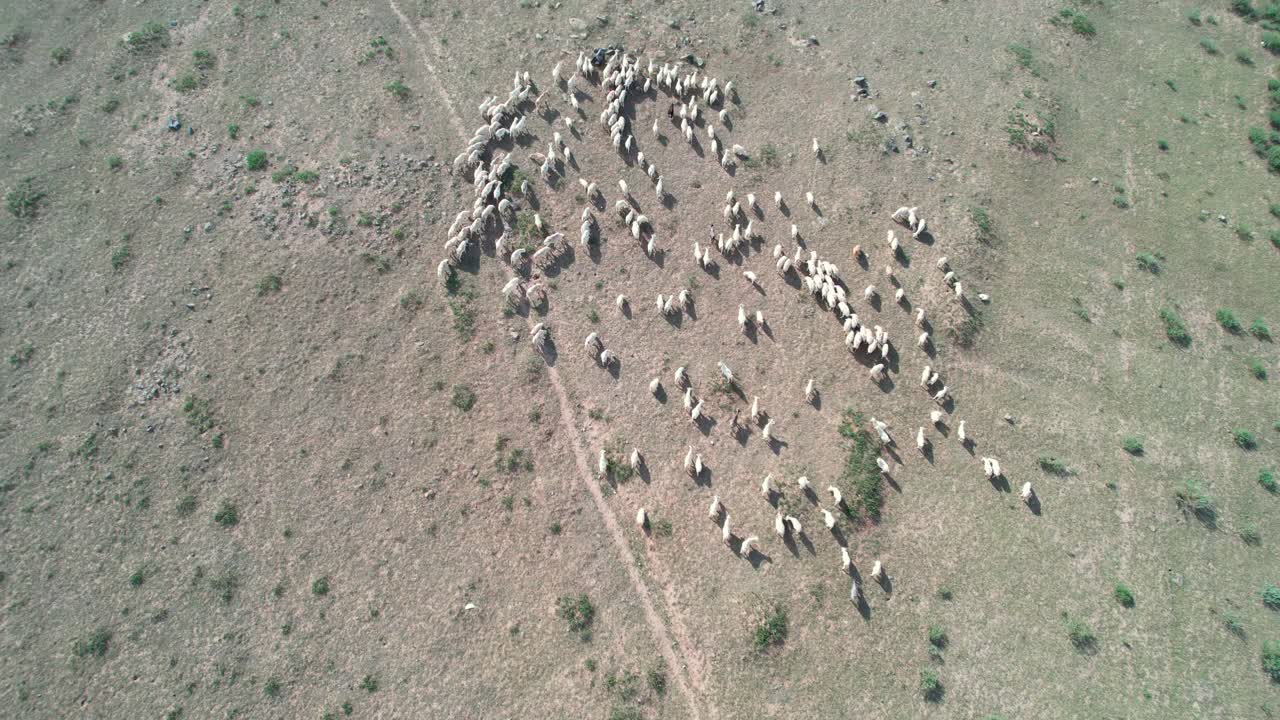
[1193,16]
[95,644]
[1271,597]
[772,630]
[1194,499]
[1256,368]
[1081,635]
[1244,57]
[860,469]
[120,257]
[1271,659]
[945,592]
[233,131]
[1250,535]
[1082,25]
[228,515]
[1260,330]
[1174,328]
[269,284]
[578,613]
[1123,595]
[1209,45]
[930,685]
[1233,623]
[150,36]
[937,636]
[1051,465]
[1162,144]
[256,160]
[320,586]
[982,222]
[1244,439]
[398,90]
[464,398]
[1132,445]
[60,55]
[1271,41]
[186,505]
[1267,479]
[369,684]
[23,201]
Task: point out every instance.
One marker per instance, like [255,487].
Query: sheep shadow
[764,327]
[614,368]
[704,478]
[885,583]
[888,479]
[838,534]
[863,262]
[713,270]
[785,209]
[874,302]
[969,445]
[757,558]
[661,395]
[776,445]
[705,424]
[750,333]
[692,311]
[626,310]
[675,320]
[793,280]
[808,544]
[925,237]
[790,542]
[816,402]
[643,471]
[811,496]
[885,384]
[550,354]
[1033,504]
[927,452]
[1000,484]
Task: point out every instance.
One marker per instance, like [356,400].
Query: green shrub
[1260,330]
[1081,635]
[1148,262]
[773,630]
[95,644]
[1271,659]
[1051,465]
[23,201]
[369,684]
[937,636]
[320,586]
[1162,144]
[1275,235]
[578,613]
[1123,595]
[930,685]
[120,257]
[1083,25]
[233,131]
[1194,499]
[1271,41]
[1132,445]
[227,515]
[860,469]
[60,55]
[1193,16]
[398,89]
[1174,328]
[1244,439]
[1267,479]
[271,688]
[1244,57]
[1209,45]
[269,284]
[1271,597]
[464,398]
[256,160]
[1273,158]
[1256,368]
[152,35]
[1227,319]
[1243,8]
[1250,534]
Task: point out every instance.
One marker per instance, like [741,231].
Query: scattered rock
[174,124]
[1009,419]
[984,297]
[695,60]
[880,117]
[933,83]
[1094,180]
[577,23]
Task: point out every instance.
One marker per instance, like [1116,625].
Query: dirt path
[687,668]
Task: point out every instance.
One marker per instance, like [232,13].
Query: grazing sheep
[810,392]
[959,292]
[941,396]
[755,409]
[935,417]
[995,468]
[688,461]
[696,413]
[960,433]
[760,319]
[742,319]
[923,340]
[877,372]
[745,550]
[877,571]
[607,358]
[920,441]
[642,518]
[779,525]
[920,317]
[900,295]
[884,466]
[682,378]
[828,519]
[697,465]
[836,495]
[900,215]
[636,459]
[869,293]
[942,263]
[919,230]
[854,590]
[816,149]
[766,487]
[808,198]
[796,528]
[724,531]
[726,373]
[751,277]
[803,482]
[621,303]
[777,198]
[846,562]
[715,509]
[688,399]
[1026,492]
[767,432]
[602,467]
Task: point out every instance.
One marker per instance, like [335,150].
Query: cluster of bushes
[1266,143]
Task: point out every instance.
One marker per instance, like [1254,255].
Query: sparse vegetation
[860,469]
[1132,445]
[930,685]
[1193,499]
[1051,465]
[985,232]
[1244,439]
[1123,595]
[398,90]
[1260,330]
[1267,479]
[1174,328]
[256,160]
[464,398]
[1256,368]
[1271,659]
[578,613]
[269,284]
[1081,635]
[23,201]
[772,630]
[95,644]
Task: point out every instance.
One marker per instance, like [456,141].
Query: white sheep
[779,525]
[682,377]
[724,531]
[846,562]
[836,496]
[828,519]
[796,528]
[602,467]
[869,293]
[808,198]
[777,199]
[884,466]
[923,340]
[745,550]
[960,433]
[750,276]
[726,373]
[941,396]
[755,409]
[810,392]
[655,386]
[959,291]
[642,518]
[688,399]
[920,317]
[697,465]
[742,319]
[621,302]
[942,263]
[877,571]
[696,413]
[1026,492]
[899,295]
[816,149]
[688,461]
[877,372]
[854,590]
[935,417]
[767,432]
[900,215]
[803,482]
[607,358]
[766,487]
[636,459]
[760,319]
[920,441]
[924,376]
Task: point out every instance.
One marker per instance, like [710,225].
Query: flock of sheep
[624,80]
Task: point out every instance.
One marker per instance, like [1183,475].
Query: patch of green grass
[1082,25]
[1132,445]
[1194,499]
[981,219]
[1267,479]
[1256,368]
[464,398]
[256,160]
[578,613]
[1244,57]
[1271,659]
[369,684]
[1260,330]
[271,688]
[937,636]
[1209,45]
[150,36]
[1250,535]
[1271,597]
[120,257]
[1271,41]
[115,162]
[772,630]
[411,300]
[1024,56]
[23,201]
[186,505]
[60,55]
[199,412]
[930,685]
[95,644]
[269,284]
[228,515]
[22,356]
[1081,635]
[1227,319]
[233,131]
[398,90]
[1233,623]
[1123,595]
[1051,465]
[1244,439]
[320,586]
[1193,16]
[1174,328]
[860,469]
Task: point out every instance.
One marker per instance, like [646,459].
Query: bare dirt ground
[258,461]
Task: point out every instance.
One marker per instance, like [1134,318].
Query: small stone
[933,83]
[813,40]
[880,117]
[191,306]
[207,226]
[469,606]
[1094,180]
[577,23]
[984,297]
[1008,419]
[695,60]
